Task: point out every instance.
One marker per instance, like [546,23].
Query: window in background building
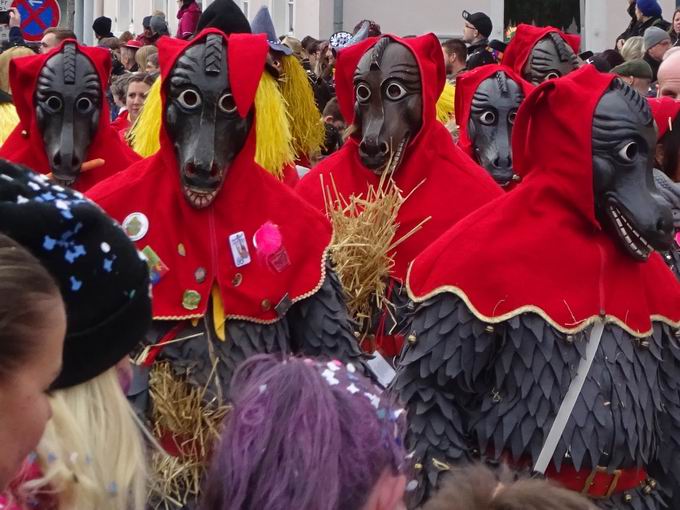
[290,17]
[563,14]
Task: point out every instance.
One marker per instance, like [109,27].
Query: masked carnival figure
[389,87]
[542,53]
[239,262]
[557,350]
[64,128]
[487,100]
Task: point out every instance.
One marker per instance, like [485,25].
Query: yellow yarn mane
[274,148]
[446,104]
[306,124]
[8,120]
[144,135]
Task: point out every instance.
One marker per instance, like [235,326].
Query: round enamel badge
[136,225]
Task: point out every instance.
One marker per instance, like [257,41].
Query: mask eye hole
[84,105]
[488,118]
[629,152]
[363,93]
[54,103]
[189,99]
[552,75]
[395,91]
[227,103]
[512,117]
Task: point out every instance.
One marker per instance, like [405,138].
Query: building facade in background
[599,21]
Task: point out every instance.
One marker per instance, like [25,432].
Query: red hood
[188,240]
[540,248]
[526,37]
[428,53]
[449,184]
[466,85]
[25,144]
[665,110]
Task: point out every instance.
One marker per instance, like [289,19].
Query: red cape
[526,37]
[25,144]
[466,85]
[453,184]
[540,248]
[194,244]
[665,110]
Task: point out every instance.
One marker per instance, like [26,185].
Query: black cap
[102,26]
[146,22]
[480,21]
[226,16]
[103,280]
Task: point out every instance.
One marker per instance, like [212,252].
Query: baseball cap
[480,21]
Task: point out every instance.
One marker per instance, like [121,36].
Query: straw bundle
[187,423]
[364,230]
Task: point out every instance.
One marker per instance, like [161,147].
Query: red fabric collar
[540,248]
[452,184]
[194,244]
[526,37]
[28,149]
[466,85]
[665,110]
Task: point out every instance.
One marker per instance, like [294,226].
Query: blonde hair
[92,454]
[142,54]
[5,58]
[633,48]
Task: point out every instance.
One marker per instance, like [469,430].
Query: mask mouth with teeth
[388,104]
[202,120]
[68,104]
[627,202]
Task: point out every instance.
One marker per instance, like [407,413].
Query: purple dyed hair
[303,434]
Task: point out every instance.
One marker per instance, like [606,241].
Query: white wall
[411,17]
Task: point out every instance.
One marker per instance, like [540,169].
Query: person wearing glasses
[476,34]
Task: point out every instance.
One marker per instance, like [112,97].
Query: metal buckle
[616,475]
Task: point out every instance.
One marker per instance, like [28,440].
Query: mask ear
[247,55]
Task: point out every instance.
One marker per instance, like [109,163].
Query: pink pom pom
[677,238]
[268,239]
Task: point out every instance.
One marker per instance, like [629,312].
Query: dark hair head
[25,286]
[119,86]
[373,29]
[61,34]
[140,77]
[112,43]
[303,434]
[479,488]
[310,44]
[332,109]
[456,47]
[613,58]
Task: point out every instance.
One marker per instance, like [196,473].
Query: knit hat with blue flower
[103,280]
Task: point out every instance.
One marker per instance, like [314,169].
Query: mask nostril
[384,148]
[57,158]
[75,161]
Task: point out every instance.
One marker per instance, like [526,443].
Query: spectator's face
[676,23]
[657,52]
[136,94]
[147,32]
[448,61]
[151,67]
[48,42]
[469,33]
[127,57]
[670,88]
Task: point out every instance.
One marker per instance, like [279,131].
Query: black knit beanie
[102,26]
[226,16]
[103,280]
